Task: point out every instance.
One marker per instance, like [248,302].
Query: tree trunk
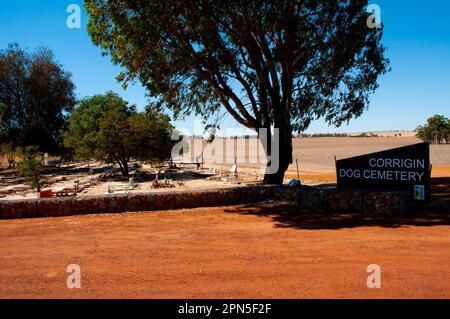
[11,163]
[123,168]
[284,140]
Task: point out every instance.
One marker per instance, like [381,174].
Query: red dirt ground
[265,251]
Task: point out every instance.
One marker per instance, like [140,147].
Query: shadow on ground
[115,174]
[287,215]
[440,190]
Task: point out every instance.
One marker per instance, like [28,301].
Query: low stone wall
[67,206]
[369,202]
[389,203]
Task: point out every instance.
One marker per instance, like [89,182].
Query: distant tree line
[436,130]
[302,135]
[337,135]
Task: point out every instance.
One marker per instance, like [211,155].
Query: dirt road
[226,252]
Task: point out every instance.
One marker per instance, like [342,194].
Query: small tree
[104,127]
[9,151]
[437,130]
[30,166]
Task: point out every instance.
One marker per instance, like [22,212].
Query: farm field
[316,156]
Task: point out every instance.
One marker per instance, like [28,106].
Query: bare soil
[264,251]
[316,154]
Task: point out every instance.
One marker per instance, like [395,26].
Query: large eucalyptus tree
[270,64]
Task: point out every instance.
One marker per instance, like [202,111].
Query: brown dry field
[317,155]
[264,251]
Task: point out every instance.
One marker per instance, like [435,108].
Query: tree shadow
[285,215]
[440,191]
[289,216]
[76,170]
[185,175]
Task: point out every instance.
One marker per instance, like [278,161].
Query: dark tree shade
[268,63]
[36,97]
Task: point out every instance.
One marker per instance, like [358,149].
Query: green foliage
[437,130]
[268,63]
[30,166]
[9,151]
[104,127]
[36,97]
[315,58]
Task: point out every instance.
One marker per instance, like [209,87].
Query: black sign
[401,169]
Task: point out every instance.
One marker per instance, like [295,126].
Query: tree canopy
[106,128]
[437,130]
[270,64]
[36,97]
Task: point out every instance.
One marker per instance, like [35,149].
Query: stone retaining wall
[66,206]
[390,203]
[369,202]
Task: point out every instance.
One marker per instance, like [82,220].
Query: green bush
[30,166]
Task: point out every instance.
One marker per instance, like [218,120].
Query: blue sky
[417,35]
